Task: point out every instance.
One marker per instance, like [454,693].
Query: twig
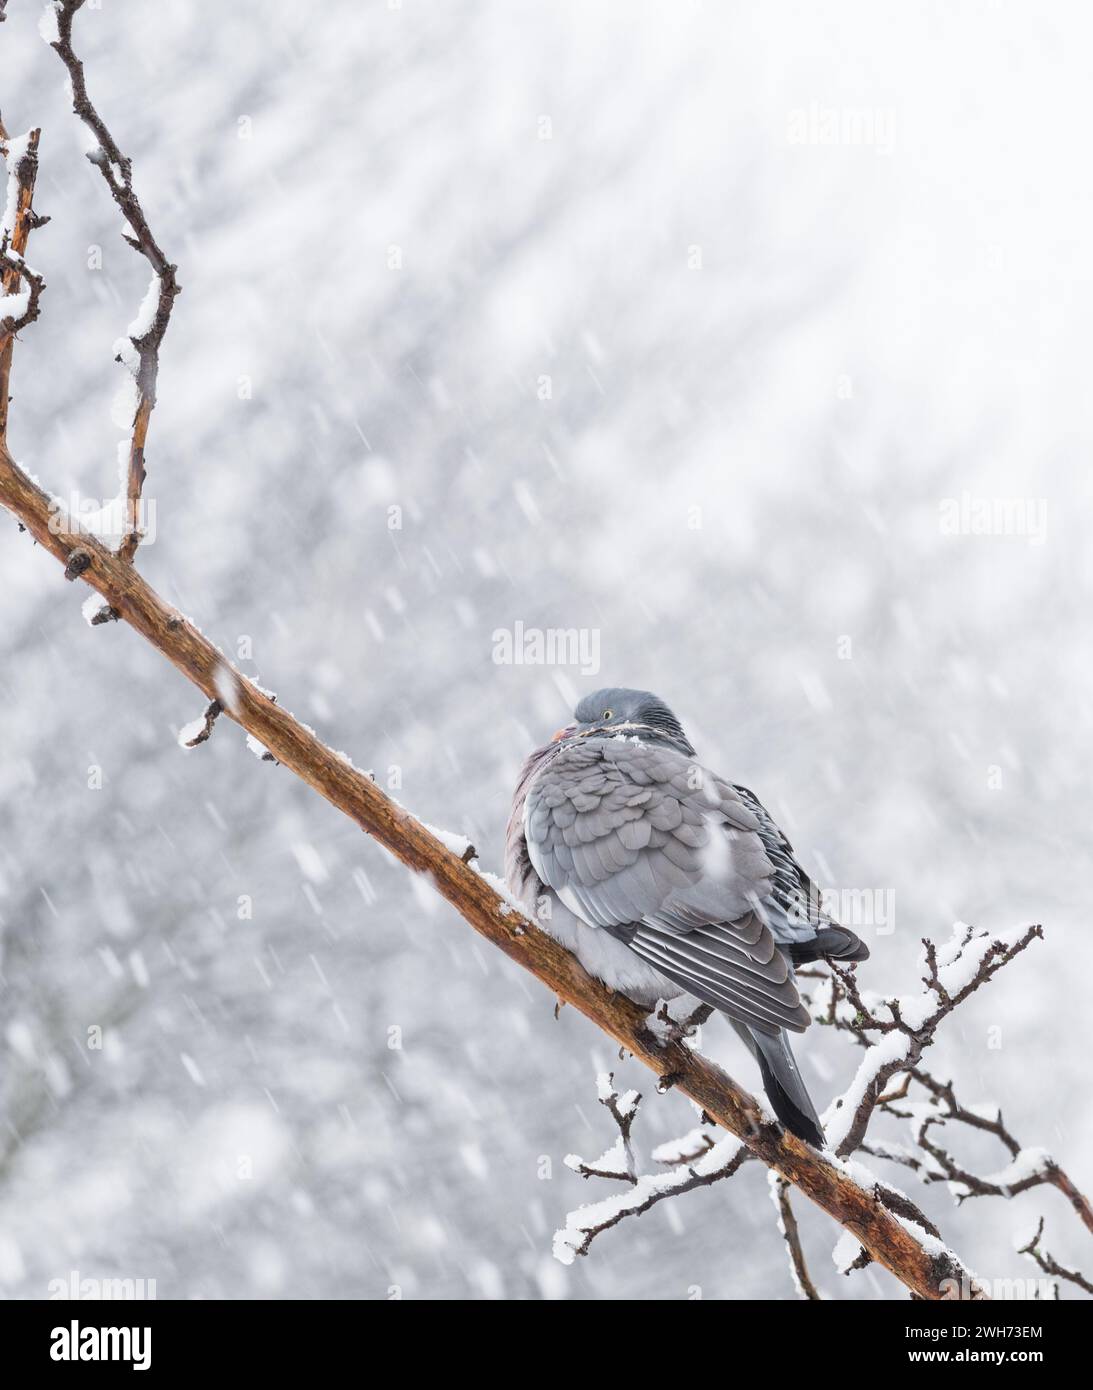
[618,1161]
[904,1040]
[1050,1265]
[1028,1168]
[721,1161]
[140,354]
[787,1226]
[201,729]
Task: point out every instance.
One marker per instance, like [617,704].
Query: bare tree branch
[618,1161]
[1028,1167]
[911,1024]
[693,1166]
[19,221]
[140,355]
[788,1228]
[1050,1265]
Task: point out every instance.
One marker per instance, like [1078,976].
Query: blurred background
[688,326]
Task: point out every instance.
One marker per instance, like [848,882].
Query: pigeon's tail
[782,1082]
[833,942]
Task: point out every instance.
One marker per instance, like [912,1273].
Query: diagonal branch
[138,351]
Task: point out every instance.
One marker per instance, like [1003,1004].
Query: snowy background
[771,359]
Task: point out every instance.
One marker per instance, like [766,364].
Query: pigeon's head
[628,714]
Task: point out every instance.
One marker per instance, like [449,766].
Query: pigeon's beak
[554,738]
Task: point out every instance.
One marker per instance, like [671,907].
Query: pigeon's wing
[642,842]
[794,901]
[795,912]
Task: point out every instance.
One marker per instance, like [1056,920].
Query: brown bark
[25,175]
[859,1210]
[116,169]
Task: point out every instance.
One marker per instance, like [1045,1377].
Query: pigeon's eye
[608,714]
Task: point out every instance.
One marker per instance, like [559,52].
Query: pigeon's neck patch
[636,731]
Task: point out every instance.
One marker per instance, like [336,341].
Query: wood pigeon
[665,879]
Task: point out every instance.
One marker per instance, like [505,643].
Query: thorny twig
[139,353]
[1050,1265]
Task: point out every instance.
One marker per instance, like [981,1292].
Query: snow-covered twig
[1027,1168]
[970,959]
[715,1162]
[788,1229]
[895,1033]
[199,731]
[19,308]
[138,350]
[617,1161]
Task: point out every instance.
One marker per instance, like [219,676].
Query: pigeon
[665,879]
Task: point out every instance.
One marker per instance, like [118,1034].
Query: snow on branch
[199,731]
[1027,1167]
[138,350]
[969,960]
[894,1034]
[787,1227]
[617,1161]
[694,1165]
